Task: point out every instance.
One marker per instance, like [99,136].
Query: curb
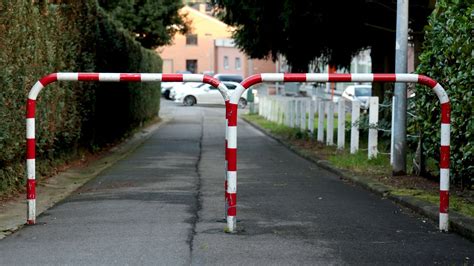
[458,223]
[58,187]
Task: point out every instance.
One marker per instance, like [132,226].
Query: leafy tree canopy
[151,22]
[304,30]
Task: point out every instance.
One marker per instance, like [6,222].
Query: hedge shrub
[448,57]
[38,38]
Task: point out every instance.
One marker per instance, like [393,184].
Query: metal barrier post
[97,77]
[405,78]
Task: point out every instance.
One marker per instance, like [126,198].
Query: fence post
[311,117]
[373,124]
[392,138]
[355,126]
[321,120]
[330,124]
[303,116]
[341,123]
[291,112]
[298,114]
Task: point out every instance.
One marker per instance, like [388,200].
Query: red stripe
[30,108]
[231,115]
[444,157]
[30,148]
[427,81]
[49,79]
[294,77]
[31,189]
[340,78]
[385,77]
[446,113]
[254,79]
[172,77]
[227,109]
[30,222]
[131,77]
[210,80]
[88,77]
[231,159]
[232,204]
[443,201]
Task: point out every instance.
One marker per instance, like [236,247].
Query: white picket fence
[299,112]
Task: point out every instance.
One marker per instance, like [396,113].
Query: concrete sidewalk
[58,187]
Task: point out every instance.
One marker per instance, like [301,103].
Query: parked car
[166,87]
[206,94]
[360,93]
[182,86]
[229,77]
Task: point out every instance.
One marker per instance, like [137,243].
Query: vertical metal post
[373,122]
[399,130]
[355,126]
[330,124]
[321,120]
[341,123]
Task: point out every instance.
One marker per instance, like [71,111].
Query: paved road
[163,205]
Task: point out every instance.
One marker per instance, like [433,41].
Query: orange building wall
[207,29]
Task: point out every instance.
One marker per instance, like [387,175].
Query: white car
[205,94]
[181,87]
[360,93]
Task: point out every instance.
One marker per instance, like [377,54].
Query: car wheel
[189,101]
[166,94]
[242,103]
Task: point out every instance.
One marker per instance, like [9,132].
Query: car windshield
[363,91]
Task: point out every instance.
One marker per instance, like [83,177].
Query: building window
[237,63]
[191,65]
[226,62]
[191,39]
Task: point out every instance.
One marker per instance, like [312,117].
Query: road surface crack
[198,201]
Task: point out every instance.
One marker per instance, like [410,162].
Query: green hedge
[448,57]
[40,38]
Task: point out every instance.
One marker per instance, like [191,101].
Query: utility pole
[399,128]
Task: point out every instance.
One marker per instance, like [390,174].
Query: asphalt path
[164,205]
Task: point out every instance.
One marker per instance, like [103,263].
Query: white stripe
[31,209]
[232,137]
[362,77]
[193,77]
[276,77]
[68,76]
[231,224]
[30,128]
[35,90]
[236,94]
[406,78]
[317,77]
[30,169]
[443,222]
[150,77]
[444,179]
[445,134]
[231,182]
[109,77]
[441,93]
[224,91]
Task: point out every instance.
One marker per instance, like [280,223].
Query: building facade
[208,49]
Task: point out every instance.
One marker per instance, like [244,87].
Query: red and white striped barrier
[98,77]
[310,77]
